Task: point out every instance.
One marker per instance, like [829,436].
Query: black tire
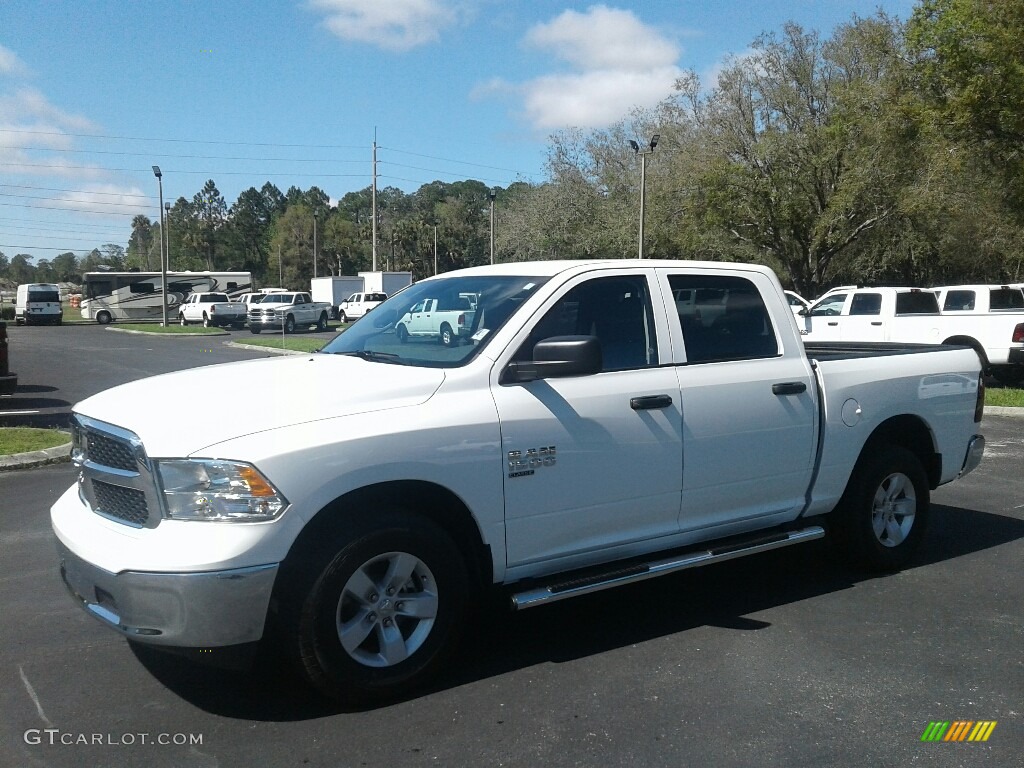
[289,324]
[402,333]
[254,329]
[103,318]
[342,317]
[883,515]
[321,324]
[238,326]
[346,587]
[448,337]
[206,321]
[182,321]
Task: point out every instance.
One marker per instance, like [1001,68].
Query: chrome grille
[109,451]
[126,504]
[116,478]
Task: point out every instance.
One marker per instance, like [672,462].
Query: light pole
[490,196]
[167,219]
[163,253]
[643,182]
[316,215]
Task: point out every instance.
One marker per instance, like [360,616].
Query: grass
[194,330]
[25,439]
[1004,397]
[277,341]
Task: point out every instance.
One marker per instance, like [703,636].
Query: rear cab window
[727,320]
[916,303]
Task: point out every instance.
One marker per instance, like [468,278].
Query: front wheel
[103,318]
[254,329]
[182,321]
[402,333]
[884,512]
[289,324]
[379,608]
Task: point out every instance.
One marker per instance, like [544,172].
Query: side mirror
[558,357]
[805,312]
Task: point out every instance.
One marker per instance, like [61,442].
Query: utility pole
[435,247]
[167,220]
[316,213]
[373,202]
[490,196]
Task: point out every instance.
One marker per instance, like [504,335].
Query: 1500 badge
[522,465]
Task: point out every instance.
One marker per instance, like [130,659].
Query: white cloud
[10,64]
[30,104]
[397,25]
[107,199]
[620,64]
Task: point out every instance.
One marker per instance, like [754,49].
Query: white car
[358,304]
[797,302]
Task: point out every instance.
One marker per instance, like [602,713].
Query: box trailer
[385,282]
[335,290]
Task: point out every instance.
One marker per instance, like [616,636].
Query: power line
[209,174]
[49,230]
[43,248]
[65,208]
[47,221]
[71,200]
[190,157]
[450,160]
[183,141]
[84,191]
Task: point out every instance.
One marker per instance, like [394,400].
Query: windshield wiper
[380,357]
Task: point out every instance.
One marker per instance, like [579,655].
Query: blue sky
[92,94]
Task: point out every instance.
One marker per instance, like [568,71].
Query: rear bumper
[975,452]
[8,384]
[192,610]
[1015,357]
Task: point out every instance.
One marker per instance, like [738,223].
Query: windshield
[437,323]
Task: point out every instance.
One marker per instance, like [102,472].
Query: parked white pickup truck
[448,321]
[288,311]
[358,304]
[211,309]
[582,436]
[911,315]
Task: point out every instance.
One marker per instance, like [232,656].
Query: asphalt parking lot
[782,659]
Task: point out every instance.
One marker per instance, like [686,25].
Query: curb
[56,455]
[168,335]
[1002,410]
[271,350]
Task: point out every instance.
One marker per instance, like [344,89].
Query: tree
[209,212]
[20,269]
[140,244]
[65,267]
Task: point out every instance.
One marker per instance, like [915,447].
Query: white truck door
[864,321]
[592,462]
[822,322]
[749,407]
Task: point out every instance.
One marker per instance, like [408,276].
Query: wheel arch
[968,341]
[910,432]
[432,501]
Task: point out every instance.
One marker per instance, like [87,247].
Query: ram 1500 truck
[445,320]
[912,315]
[288,311]
[211,309]
[582,435]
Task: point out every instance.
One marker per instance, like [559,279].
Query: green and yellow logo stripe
[958,730]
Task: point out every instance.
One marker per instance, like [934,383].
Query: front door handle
[833,322]
[650,401]
[789,388]
[876,322]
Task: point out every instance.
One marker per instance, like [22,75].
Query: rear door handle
[789,388]
[876,322]
[833,322]
[650,401]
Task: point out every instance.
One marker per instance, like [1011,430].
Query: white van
[38,303]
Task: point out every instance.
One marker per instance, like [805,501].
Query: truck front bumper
[190,610]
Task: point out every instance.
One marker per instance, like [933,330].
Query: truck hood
[179,414]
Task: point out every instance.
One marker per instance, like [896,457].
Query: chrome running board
[717,552]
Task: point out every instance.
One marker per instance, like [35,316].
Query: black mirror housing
[558,357]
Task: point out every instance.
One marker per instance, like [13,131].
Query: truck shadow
[498,642]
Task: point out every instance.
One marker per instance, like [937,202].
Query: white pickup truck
[911,315]
[211,309]
[288,311]
[448,321]
[358,304]
[582,436]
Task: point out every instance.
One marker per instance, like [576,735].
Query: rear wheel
[884,512]
[321,324]
[376,608]
[448,337]
[206,320]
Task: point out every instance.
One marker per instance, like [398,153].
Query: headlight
[212,489]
